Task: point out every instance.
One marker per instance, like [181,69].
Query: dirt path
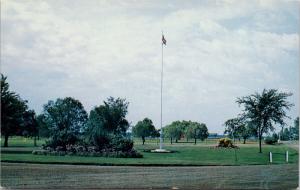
[107,177]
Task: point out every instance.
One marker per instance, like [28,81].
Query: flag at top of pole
[164,41]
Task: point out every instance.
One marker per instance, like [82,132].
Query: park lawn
[17,141]
[184,155]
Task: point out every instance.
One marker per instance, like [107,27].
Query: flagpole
[161,90]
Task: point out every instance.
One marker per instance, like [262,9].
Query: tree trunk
[143,138]
[187,139]
[244,141]
[6,141]
[195,140]
[34,141]
[171,140]
[176,140]
[259,137]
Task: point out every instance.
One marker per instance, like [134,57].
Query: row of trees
[175,131]
[260,114]
[67,122]
[291,132]
[238,128]
[104,128]
[16,117]
[186,129]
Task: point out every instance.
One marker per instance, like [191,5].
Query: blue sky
[216,51]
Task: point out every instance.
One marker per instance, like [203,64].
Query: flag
[164,41]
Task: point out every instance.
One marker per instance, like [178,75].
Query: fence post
[271,160]
[287,156]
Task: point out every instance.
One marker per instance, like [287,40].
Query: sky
[216,51]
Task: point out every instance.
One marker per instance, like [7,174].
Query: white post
[271,160]
[287,156]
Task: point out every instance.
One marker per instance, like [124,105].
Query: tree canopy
[239,128]
[295,130]
[197,131]
[65,119]
[233,126]
[265,109]
[107,122]
[13,109]
[31,125]
[144,128]
[174,130]
[189,129]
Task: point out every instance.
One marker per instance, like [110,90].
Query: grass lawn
[254,170]
[185,154]
[22,142]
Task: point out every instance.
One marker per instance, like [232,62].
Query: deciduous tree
[107,122]
[197,131]
[65,118]
[144,129]
[12,111]
[174,131]
[265,110]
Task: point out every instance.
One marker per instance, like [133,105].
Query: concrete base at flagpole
[161,151]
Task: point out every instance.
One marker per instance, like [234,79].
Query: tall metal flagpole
[161,90]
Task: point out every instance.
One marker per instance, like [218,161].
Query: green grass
[255,171]
[22,142]
[185,154]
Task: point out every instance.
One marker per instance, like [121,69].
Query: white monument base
[161,151]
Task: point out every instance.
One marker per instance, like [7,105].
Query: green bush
[226,143]
[78,150]
[271,140]
[122,144]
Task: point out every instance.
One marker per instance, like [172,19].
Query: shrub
[78,150]
[226,143]
[270,140]
[122,144]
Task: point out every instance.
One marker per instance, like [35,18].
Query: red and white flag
[164,41]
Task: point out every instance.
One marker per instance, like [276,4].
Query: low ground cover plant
[226,143]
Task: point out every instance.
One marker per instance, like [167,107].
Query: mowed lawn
[185,154]
[191,166]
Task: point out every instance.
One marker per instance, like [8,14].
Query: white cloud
[216,51]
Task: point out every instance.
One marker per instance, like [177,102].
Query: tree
[65,119]
[174,131]
[294,131]
[30,125]
[285,135]
[144,129]
[12,111]
[43,130]
[184,126]
[265,110]
[233,127]
[245,131]
[197,131]
[239,128]
[106,122]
